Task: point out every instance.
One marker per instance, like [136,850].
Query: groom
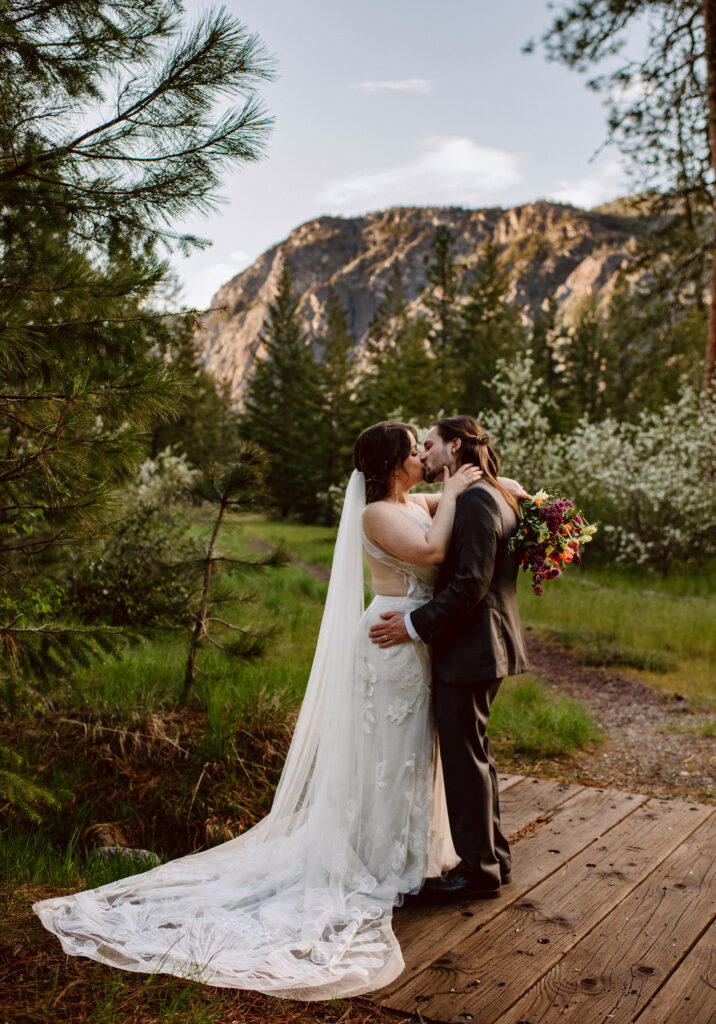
[473,625]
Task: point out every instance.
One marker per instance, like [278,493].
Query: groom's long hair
[475,448]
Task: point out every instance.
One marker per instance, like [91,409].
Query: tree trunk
[200,627]
[710,24]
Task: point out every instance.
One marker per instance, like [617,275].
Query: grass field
[114,746]
[661,629]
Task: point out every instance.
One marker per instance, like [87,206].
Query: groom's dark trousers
[473,626]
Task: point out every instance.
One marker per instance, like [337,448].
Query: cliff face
[549,248]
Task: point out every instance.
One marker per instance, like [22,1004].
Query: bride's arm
[432,501]
[513,487]
[392,530]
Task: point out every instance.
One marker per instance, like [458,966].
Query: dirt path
[652,746]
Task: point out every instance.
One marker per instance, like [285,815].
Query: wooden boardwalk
[610,918]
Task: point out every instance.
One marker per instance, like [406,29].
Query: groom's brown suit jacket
[472,622]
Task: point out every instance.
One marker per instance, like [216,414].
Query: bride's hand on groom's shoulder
[513,487]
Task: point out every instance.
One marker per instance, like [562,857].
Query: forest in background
[116,443]
[154,644]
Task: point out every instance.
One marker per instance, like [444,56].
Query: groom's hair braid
[475,448]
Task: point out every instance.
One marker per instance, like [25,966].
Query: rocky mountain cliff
[549,248]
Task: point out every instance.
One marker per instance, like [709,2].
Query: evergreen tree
[283,409]
[544,345]
[88,215]
[398,378]
[663,117]
[337,375]
[441,301]
[654,348]
[490,329]
[584,354]
[205,423]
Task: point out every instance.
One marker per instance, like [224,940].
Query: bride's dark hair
[378,452]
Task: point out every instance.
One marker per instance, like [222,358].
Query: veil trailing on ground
[290,907]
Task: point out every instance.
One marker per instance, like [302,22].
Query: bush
[650,486]
[518,423]
[142,575]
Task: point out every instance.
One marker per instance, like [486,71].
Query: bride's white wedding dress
[300,906]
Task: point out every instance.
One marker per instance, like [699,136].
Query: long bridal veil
[290,907]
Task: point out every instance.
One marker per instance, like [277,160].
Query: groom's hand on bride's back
[390,631]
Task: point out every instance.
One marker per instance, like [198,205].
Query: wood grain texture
[689,996]
[427,933]
[617,968]
[480,977]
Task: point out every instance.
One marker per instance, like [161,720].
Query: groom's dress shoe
[459,885]
[505,874]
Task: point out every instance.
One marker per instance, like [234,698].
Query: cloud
[448,171]
[200,283]
[422,86]
[606,182]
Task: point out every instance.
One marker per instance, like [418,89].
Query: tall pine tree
[109,135]
[441,299]
[283,409]
[662,115]
[398,378]
[89,209]
[584,354]
[205,423]
[337,375]
[490,329]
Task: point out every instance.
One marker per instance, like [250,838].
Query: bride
[300,906]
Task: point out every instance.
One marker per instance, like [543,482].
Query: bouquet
[548,537]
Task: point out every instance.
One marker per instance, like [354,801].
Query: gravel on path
[653,741]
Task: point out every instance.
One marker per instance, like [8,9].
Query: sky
[381,103]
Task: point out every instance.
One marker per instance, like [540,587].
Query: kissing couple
[389,787]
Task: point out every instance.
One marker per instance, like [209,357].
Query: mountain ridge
[549,248]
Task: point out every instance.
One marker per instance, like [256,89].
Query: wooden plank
[532,799]
[482,977]
[689,996]
[616,969]
[426,933]
[504,781]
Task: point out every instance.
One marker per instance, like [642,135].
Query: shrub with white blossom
[518,425]
[164,480]
[650,486]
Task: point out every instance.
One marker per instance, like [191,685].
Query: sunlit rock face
[549,249]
